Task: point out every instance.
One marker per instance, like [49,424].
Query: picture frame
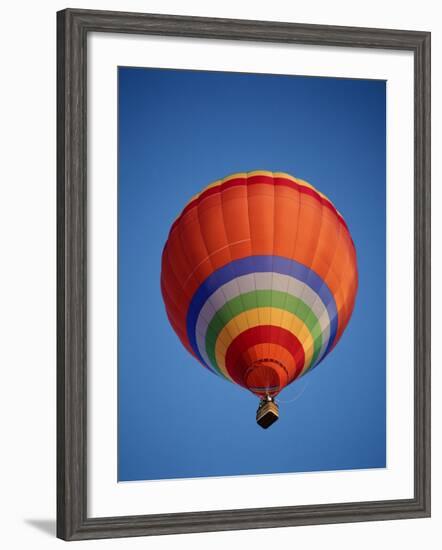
[73,28]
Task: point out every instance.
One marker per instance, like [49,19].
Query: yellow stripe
[262,316]
[259,173]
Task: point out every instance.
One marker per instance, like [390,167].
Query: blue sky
[178,131]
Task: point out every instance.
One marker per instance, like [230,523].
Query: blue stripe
[259,264]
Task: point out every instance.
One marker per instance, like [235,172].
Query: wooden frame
[73,27]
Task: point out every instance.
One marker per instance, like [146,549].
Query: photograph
[217,262]
[217,275]
[243,273]
[251,274]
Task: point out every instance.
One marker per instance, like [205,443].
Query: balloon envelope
[259,279]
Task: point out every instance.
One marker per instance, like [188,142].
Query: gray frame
[73,27]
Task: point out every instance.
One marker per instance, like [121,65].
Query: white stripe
[261,281]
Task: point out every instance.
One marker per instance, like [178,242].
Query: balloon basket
[267,413]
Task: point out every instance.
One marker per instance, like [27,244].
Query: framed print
[243,274]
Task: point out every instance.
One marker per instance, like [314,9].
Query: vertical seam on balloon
[229,246]
[170,265]
[250,230]
[273,269]
[169,298]
[206,247]
[330,343]
[349,313]
[184,250]
[273,255]
[250,246]
[176,278]
[295,239]
[345,317]
[323,279]
[178,329]
[342,312]
[162,285]
[207,258]
[313,257]
[338,241]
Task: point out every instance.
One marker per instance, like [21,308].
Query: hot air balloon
[259,278]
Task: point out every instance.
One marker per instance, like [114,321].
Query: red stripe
[253,180]
[263,334]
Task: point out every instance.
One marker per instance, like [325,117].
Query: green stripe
[262,298]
